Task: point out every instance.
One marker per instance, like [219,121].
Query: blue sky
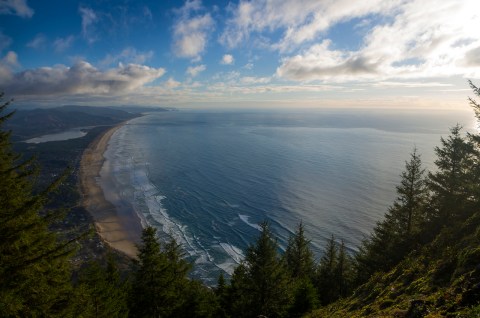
[259,53]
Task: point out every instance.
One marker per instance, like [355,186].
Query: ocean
[208,178]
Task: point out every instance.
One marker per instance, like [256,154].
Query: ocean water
[210,177]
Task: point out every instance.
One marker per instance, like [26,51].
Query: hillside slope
[440,280]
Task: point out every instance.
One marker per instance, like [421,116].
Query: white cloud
[191,31]
[171,83]
[8,64]
[300,21]
[16,7]
[227,59]
[423,39]
[128,55]
[193,71]
[61,44]
[249,80]
[39,41]
[81,78]
[11,59]
[248,66]
[89,17]
[320,62]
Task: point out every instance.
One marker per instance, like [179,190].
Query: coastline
[119,227]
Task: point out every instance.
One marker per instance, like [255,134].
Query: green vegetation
[34,267]
[421,260]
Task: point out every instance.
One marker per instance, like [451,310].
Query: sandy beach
[119,227]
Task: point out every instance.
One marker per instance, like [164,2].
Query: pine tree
[300,264]
[100,291]
[298,255]
[408,210]
[343,272]
[261,286]
[200,301]
[34,268]
[334,273]
[305,298]
[325,280]
[159,278]
[450,184]
[395,236]
[223,291]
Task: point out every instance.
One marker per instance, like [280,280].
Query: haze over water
[210,177]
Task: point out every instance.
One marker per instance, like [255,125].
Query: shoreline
[119,227]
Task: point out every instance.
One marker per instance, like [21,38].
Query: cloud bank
[424,39]
[81,78]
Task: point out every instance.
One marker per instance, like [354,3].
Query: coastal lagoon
[208,178]
[64,135]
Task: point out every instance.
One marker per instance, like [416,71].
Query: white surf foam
[245,219]
[234,252]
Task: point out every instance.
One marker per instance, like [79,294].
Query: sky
[240,54]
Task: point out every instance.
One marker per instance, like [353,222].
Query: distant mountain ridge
[27,124]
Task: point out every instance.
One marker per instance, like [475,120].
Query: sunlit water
[208,178]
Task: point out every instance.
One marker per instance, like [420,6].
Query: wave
[148,201]
[245,219]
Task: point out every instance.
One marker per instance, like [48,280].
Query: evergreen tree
[343,272]
[200,301]
[395,236]
[223,291]
[100,292]
[34,268]
[334,273]
[300,264]
[305,298]
[450,184]
[260,285]
[408,210]
[298,255]
[325,280]
[159,278]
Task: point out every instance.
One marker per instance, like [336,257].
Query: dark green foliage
[300,264]
[199,301]
[394,237]
[222,292]
[159,284]
[451,183]
[261,284]
[34,268]
[305,298]
[298,255]
[101,292]
[334,273]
